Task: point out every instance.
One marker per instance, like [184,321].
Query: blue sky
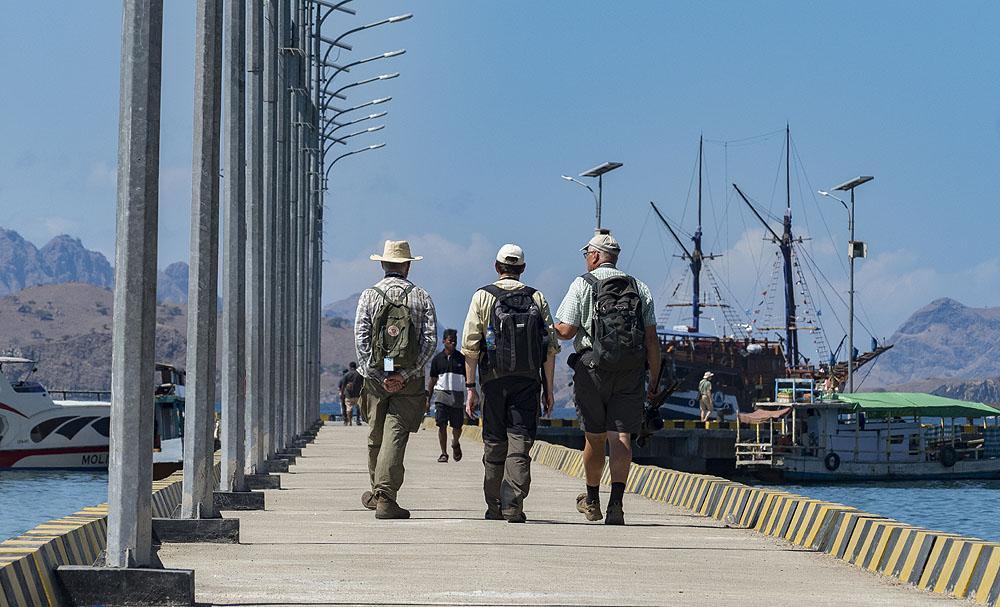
[496,101]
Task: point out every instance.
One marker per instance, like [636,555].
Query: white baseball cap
[511,254]
[603,241]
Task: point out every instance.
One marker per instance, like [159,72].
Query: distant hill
[62,259]
[943,342]
[172,283]
[67,329]
[345,308]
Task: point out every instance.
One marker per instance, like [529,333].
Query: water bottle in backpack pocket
[516,338]
[618,330]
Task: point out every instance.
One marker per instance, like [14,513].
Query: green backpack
[394,335]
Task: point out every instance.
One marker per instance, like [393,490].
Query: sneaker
[389,509]
[493,514]
[615,516]
[591,510]
[368,500]
[443,458]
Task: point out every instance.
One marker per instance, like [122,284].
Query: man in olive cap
[395,334]
[610,317]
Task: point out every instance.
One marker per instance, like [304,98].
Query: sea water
[968,508]
[29,498]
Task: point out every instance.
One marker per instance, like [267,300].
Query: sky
[494,104]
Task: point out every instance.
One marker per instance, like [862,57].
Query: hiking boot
[514,515]
[615,516]
[368,500]
[591,510]
[389,509]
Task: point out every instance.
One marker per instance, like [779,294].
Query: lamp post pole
[853,251]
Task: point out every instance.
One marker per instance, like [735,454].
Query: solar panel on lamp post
[598,171]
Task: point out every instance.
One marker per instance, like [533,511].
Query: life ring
[831,461]
[947,456]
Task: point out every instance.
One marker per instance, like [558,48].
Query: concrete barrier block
[110,586]
[238,500]
[983,585]
[277,465]
[263,481]
[204,530]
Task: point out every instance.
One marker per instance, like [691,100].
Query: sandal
[457,450]
[443,458]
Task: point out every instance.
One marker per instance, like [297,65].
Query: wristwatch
[470,386]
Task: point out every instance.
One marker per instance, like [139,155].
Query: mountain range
[58,308]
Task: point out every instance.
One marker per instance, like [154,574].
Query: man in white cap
[610,317]
[395,334]
[509,337]
[705,395]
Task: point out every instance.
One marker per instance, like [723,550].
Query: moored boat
[867,436]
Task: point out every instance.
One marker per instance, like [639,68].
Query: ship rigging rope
[649,211]
[810,265]
[839,296]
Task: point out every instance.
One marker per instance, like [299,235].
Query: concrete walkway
[316,545]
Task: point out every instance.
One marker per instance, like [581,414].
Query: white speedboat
[38,432]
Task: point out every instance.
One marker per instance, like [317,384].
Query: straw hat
[396,251]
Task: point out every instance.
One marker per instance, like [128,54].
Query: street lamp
[338,112]
[338,95]
[351,153]
[855,249]
[597,202]
[340,125]
[336,42]
[348,66]
[343,140]
[598,171]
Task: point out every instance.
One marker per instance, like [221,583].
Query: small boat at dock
[800,436]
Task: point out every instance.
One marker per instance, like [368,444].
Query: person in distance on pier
[447,388]
[510,339]
[395,334]
[610,317]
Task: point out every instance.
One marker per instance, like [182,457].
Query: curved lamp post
[340,125]
[597,201]
[348,66]
[338,92]
[336,42]
[343,140]
[351,153]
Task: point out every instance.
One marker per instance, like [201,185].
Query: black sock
[617,493]
[593,494]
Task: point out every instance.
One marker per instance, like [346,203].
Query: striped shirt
[577,308]
[422,314]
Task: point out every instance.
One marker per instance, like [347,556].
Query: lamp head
[394,53]
[389,76]
[381,100]
[567,177]
[399,18]
[822,193]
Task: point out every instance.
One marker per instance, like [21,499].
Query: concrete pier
[316,545]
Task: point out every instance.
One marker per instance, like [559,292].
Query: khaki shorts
[705,402]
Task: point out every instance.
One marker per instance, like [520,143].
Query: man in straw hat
[610,317]
[510,338]
[705,395]
[395,334]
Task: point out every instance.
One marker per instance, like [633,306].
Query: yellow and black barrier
[28,562]
[940,562]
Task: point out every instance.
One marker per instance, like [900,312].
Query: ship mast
[784,242]
[696,256]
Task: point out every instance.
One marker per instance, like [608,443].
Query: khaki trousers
[391,418]
[510,421]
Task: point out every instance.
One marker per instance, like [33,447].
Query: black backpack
[353,384]
[520,337]
[618,330]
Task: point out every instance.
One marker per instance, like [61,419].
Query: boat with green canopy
[804,435]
